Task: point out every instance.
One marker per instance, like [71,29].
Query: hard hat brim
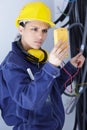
[51,24]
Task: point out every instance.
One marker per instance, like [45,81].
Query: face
[33,34]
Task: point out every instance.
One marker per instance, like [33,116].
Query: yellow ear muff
[38,53]
[34,55]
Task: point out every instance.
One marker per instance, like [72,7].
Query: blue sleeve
[26,93]
[65,78]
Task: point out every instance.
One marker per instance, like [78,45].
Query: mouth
[38,42]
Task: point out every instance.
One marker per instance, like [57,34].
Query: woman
[31,81]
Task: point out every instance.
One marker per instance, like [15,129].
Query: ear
[20,29]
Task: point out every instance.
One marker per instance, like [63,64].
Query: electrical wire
[77,26]
[65,13]
[84,35]
[78,40]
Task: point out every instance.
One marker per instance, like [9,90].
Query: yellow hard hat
[35,11]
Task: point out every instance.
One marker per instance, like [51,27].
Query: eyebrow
[38,27]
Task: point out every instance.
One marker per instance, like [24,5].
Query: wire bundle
[77,12]
[78,42]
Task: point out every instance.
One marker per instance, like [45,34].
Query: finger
[80,64]
[65,46]
[62,44]
[63,54]
[81,58]
[62,47]
[57,46]
[80,61]
[79,54]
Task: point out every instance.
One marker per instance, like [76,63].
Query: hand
[78,60]
[58,53]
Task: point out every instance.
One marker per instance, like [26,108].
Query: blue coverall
[32,104]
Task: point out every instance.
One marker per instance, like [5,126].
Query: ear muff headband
[34,55]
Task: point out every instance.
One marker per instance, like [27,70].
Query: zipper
[38,65]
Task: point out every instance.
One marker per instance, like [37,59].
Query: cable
[75,24]
[66,12]
[78,42]
[61,18]
[84,35]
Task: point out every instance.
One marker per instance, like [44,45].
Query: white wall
[8,13]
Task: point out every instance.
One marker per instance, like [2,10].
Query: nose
[40,34]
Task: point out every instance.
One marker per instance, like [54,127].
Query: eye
[34,29]
[44,30]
